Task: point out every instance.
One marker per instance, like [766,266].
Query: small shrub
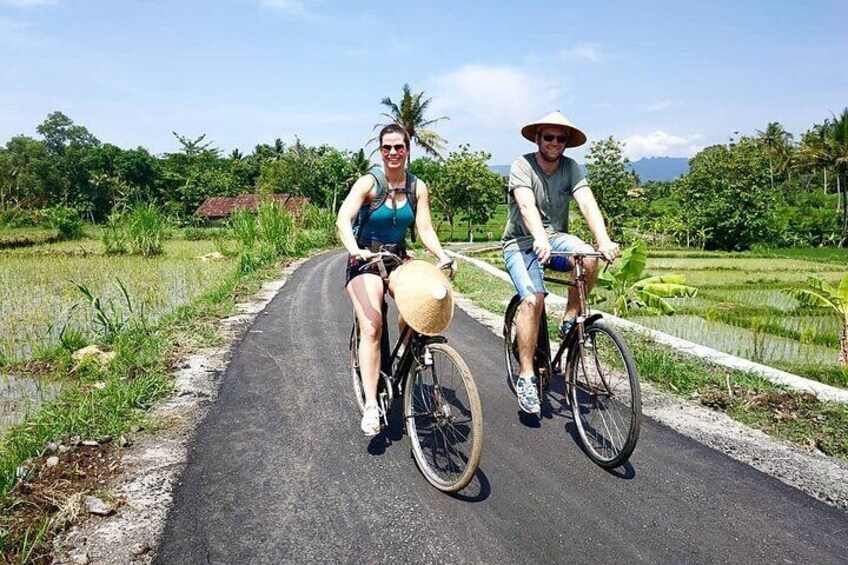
[201,234]
[66,221]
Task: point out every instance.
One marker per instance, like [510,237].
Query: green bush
[14,217]
[66,221]
[201,234]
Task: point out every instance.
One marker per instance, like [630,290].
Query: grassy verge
[798,418]
[64,450]
[99,402]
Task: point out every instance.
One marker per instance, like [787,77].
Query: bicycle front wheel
[443,417]
[605,396]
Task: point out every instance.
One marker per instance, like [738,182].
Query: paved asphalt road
[279,472]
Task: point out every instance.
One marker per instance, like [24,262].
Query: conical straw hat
[424,297]
[575,136]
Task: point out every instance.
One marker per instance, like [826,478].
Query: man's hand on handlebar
[542,247]
[609,250]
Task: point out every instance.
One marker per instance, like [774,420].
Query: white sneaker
[371,420]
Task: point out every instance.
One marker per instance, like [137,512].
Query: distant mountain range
[648,168]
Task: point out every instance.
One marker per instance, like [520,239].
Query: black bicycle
[441,406]
[601,383]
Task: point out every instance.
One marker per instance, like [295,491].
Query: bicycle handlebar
[379,256]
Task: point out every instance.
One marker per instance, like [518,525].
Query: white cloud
[497,97]
[586,52]
[660,144]
[662,105]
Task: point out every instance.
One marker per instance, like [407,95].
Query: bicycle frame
[584,315]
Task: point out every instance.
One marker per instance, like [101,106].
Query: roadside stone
[140,548]
[51,447]
[80,558]
[52,461]
[104,439]
[124,441]
[94,505]
[93,352]
[63,449]
[90,443]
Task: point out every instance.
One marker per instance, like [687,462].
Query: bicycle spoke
[606,403]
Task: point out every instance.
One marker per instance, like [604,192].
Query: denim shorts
[524,268]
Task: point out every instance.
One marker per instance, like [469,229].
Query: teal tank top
[381,227]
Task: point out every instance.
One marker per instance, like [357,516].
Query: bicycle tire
[541,358]
[605,395]
[444,418]
[510,344]
[356,375]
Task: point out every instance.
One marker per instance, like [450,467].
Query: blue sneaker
[567,326]
[528,398]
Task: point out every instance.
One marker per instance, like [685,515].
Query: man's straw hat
[424,297]
[576,137]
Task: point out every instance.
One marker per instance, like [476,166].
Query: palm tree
[812,154]
[236,155]
[358,165]
[837,144]
[777,143]
[410,115]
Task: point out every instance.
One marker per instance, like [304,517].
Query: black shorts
[355,266]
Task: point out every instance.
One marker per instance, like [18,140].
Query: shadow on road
[477,490]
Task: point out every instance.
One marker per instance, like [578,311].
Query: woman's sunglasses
[549,137]
[398,147]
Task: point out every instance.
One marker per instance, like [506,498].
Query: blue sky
[666,77]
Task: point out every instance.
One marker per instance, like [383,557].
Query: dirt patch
[59,487]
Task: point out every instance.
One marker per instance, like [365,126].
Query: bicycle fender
[593,318]
[435,339]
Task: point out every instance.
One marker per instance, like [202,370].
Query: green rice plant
[114,235]
[108,316]
[630,288]
[146,230]
[820,294]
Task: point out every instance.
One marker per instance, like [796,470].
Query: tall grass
[142,231]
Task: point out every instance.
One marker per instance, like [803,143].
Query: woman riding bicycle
[380,208]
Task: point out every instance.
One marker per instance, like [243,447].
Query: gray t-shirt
[553,196]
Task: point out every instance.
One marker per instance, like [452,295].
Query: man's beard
[549,159]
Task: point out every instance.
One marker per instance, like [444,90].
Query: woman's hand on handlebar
[364,254]
[448,265]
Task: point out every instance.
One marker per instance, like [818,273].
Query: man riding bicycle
[541,185]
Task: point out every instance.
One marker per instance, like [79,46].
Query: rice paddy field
[41,305]
[742,307]
[40,298]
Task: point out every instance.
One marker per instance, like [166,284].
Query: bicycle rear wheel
[443,417]
[541,358]
[605,396]
[356,376]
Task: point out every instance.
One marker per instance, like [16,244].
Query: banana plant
[630,288]
[818,293]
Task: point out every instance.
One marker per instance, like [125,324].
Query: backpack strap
[380,184]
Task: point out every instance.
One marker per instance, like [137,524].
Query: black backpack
[380,182]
